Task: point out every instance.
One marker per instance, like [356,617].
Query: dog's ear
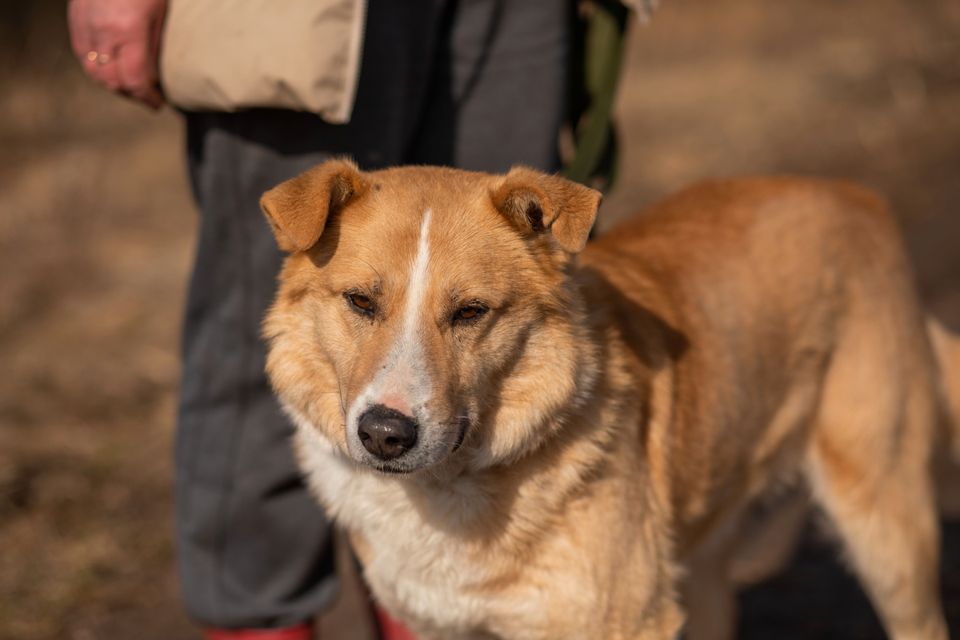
[537,202]
[299,208]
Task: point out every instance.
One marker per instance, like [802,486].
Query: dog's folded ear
[537,202]
[299,208]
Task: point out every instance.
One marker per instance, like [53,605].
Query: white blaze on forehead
[417,286]
[402,382]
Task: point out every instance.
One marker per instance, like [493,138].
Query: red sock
[300,632]
[390,629]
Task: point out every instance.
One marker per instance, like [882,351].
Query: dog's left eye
[469,313]
[361,303]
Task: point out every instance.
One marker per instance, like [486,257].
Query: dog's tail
[946,345]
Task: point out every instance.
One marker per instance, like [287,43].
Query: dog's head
[424,310]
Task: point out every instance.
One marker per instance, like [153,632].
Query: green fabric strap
[594,160]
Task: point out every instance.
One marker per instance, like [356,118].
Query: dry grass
[94,244]
[96,233]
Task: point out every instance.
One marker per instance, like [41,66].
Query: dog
[527,437]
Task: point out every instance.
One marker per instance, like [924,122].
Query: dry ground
[96,233]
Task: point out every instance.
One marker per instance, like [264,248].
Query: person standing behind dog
[475,84]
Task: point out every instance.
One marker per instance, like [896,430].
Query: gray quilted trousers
[477,84]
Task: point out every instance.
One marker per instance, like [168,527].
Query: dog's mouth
[391,470]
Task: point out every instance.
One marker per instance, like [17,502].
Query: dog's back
[803,336]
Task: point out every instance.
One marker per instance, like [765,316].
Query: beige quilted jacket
[227,55]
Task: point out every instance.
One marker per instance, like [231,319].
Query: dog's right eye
[360,303]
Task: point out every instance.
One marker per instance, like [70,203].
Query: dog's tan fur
[619,410]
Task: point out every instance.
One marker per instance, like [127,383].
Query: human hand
[118,44]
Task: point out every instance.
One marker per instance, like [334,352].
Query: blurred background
[97,232]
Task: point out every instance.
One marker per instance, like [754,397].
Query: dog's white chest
[411,565]
[427,587]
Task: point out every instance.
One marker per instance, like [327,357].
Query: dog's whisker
[372,268]
[343,406]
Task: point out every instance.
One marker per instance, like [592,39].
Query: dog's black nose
[386,433]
